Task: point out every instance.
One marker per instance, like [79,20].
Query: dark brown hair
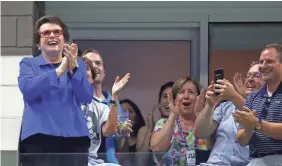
[139,120]
[164,87]
[179,84]
[88,50]
[52,20]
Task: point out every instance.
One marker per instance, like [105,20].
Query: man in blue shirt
[53,86]
[261,120]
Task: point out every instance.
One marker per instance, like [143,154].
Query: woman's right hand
[239,84]
[174,105]
[212,99]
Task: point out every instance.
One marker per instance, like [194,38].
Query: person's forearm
[160,141]
[204,122]
[238,101]
[273,130]
[112,122]
[210,141]
[82,89]
[244,136]
[122,144]
[144,145]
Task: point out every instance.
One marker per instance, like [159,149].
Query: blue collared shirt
[52,104]
[226,150]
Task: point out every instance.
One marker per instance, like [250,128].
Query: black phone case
[218,75]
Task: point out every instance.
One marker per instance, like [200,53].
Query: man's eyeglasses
[254,75]
[47,33]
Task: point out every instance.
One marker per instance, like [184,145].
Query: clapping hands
[119,84]
[70,52]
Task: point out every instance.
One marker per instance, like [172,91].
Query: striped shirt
[270,110]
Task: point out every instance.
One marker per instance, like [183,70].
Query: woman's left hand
[71,51]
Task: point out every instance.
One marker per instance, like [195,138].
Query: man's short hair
[88,50]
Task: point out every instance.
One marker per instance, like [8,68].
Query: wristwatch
[115,102]
[258,125]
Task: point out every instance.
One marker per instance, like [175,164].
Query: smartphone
[218,75]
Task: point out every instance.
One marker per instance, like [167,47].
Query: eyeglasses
[254,75]
[47,33]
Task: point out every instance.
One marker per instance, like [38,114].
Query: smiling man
[104,113]
[261,119]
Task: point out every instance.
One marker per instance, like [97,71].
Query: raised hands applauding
[174,105]
[200,103]
[69,59]
[70,52]
[247,118]
[238,80]
[119,84]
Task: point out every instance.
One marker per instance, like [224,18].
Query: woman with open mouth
[174,135]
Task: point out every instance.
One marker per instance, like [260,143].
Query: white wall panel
[10,69]
[10,130]
[11,102]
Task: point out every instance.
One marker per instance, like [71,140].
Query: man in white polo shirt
[102,112]
[261,119]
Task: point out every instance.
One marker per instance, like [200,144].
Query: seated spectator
[145,132]
[128,144]
[218,123]
[102,121]
[174,135]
